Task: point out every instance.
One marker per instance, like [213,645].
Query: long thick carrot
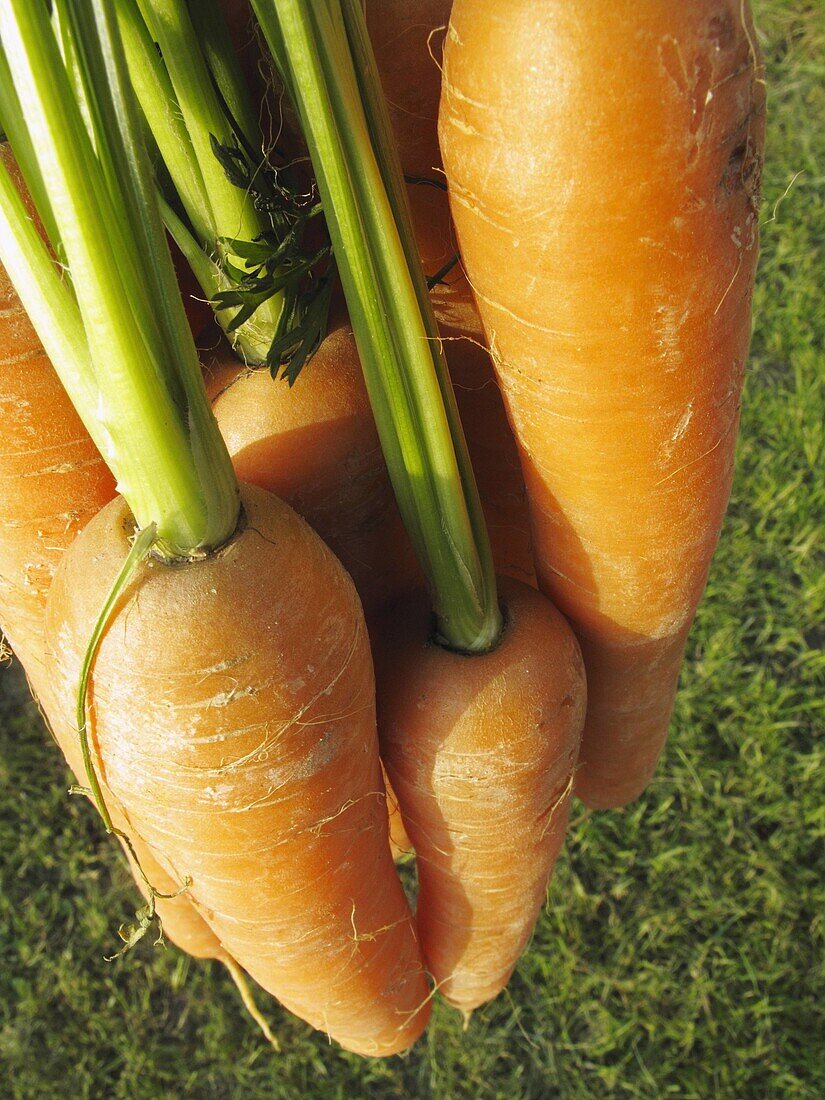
[603,162]
[481,753]
[52,482]
[407,39]
[486,691]
[235,654]
[233,713]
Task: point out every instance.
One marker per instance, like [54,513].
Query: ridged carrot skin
[49,462]
[603,160]
[52,479]
[480,751]
[315,445]
[407,39]
[52,482]
[232,715]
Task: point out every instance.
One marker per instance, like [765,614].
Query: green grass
[680,954]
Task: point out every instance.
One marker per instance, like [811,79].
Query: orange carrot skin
[400,842]
[232,713]
[52,482]
[315,446]
[180,921]
[407,44]
[604,162]
[480,751]
[52,479]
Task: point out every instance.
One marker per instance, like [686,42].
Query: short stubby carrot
[232,715]
[603,161]
[314,444]
[480,751]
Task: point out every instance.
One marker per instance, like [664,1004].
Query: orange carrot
[603,162]
[251,765]
[210,648]
[407,40]
[484,699]
[315,445]
[52,482]
[481,751]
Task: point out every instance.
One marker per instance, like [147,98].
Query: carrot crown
[323,52]
[115,328]
[242,237]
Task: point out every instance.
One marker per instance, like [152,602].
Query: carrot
[481,752]
[315,445]
[52,482]
[603,161]
[238,642]
[251,765]
[407,41]
[467,684]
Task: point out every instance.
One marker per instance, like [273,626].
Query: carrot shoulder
[481,752]
[315,445]
[233,714]
[603,163]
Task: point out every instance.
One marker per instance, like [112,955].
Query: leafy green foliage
[680,954]
[279,260]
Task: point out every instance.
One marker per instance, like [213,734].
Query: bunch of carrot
[572,247]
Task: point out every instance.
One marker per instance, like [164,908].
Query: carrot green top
[326,61]
[241,235]
[114,326]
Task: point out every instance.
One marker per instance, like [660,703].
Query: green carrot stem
[208,272]
[143,399]
[230,212]
[212,32]
[14,130]
[361,185]
[47,299]
[156,96]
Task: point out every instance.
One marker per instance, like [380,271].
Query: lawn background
[680,953]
